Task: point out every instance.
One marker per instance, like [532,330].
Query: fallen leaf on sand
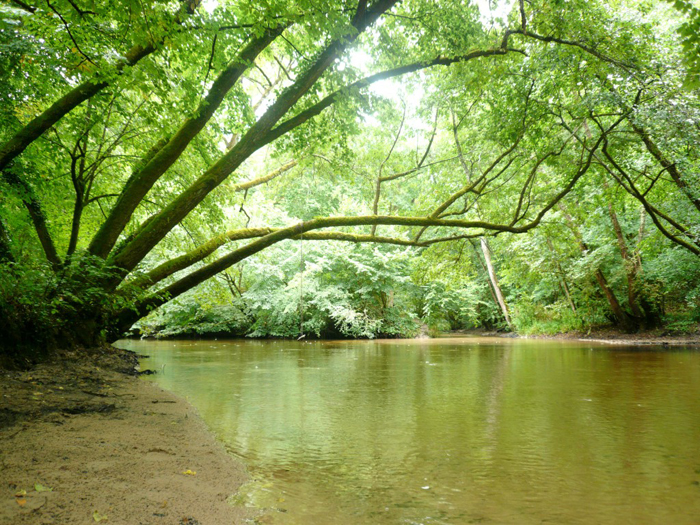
[20,493]
[99,517]
[35,502]
[41,488]
[21,502]
[190,472]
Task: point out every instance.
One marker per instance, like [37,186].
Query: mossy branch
[142,180]
[304,230]
[64,105]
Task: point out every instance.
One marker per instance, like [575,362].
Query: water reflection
[452,430]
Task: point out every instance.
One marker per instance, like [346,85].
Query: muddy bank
[111,447]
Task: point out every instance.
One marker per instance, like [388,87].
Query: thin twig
[65,24]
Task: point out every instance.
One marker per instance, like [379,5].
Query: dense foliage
[376,168]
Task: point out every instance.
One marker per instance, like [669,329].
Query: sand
[112,448]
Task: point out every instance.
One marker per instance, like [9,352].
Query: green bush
[42,309]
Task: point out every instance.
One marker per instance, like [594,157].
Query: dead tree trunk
[494,282]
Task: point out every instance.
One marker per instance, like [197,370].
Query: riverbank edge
[609,336]
[603,336]
[111,446]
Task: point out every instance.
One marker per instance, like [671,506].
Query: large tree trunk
[75,225]
[628,263]
[624,320]
[36,213]
[152,233]
[143,179]
[642,308]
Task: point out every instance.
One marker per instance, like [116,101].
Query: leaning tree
[123,120]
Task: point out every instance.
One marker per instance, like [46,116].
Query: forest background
[360,170]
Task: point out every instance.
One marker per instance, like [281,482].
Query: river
[449,431]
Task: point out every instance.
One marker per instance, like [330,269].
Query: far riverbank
[615,337]
[607,335]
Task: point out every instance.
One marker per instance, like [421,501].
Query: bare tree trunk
[493,294]
[494,281]
[484,243]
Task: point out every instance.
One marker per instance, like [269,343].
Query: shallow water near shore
[449,431]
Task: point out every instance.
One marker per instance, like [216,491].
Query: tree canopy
[542,161]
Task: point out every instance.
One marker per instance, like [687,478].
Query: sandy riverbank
[112,447]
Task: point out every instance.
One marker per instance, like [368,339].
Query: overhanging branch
[152,233]
[143,179]
[305,230]
[37,126]
[326,102]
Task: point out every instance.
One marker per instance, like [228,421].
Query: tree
[146,97]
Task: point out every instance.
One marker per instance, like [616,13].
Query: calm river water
[450,431]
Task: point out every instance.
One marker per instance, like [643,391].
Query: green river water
[449,431]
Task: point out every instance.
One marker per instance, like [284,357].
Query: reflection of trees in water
[494,400]
[497,429]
